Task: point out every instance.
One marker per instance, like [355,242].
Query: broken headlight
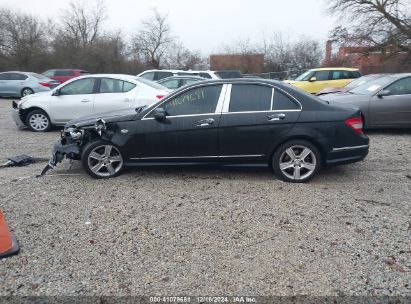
[75,133]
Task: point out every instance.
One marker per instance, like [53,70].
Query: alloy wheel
[105,160]
[298,162]
[39,122]
[27,92]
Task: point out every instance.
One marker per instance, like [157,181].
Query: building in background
[388,61]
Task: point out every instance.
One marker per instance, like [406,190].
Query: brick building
[367,62]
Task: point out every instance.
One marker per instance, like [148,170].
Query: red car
[62,75]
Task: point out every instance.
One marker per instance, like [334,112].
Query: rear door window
[250,98]
[337,75]
[148,76]
[161,75]
[200,100]
[63,73]
[110,85]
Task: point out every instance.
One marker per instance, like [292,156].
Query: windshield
[361,80]
[152,84]
[372,86]
[304,76]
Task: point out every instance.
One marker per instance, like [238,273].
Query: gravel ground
[207,231]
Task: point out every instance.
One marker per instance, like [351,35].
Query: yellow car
[313,81]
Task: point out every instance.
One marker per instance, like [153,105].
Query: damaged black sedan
[221,122]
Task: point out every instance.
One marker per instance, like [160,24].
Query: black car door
[255,116]
[190,129]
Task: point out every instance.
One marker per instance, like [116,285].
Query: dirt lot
[207,231]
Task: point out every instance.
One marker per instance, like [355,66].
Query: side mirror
[159,114]
[312,79]
[55,93]
[383,93]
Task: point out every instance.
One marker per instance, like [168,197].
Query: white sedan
[84,96]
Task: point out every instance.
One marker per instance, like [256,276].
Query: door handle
[205,122]
[85,100]
[276,117]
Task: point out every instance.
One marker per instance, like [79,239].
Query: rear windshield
[372,86]
[152,84]
[39,76]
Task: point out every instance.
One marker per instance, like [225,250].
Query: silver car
[384,102]
[20,84]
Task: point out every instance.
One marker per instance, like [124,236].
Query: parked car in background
[20,84]
[63,75]
[220,121]
[174,82]
[353,84]
[315,80]
[85,95]
[384,102]
[155,75]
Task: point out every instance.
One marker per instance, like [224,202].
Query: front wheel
[296,161]
[38,121]
[101,159]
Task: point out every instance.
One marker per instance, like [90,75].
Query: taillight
[160,97]
[45,84]
[356,124]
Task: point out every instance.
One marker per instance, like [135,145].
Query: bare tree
[154,40]
[182,58]
[22,39]
[376,24]
[81,22]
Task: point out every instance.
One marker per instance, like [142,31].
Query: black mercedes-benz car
[226,121]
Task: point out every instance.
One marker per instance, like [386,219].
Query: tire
[102,159]
[296,161]
[38,121]
[26,91]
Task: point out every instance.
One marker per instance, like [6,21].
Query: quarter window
[250,97]
[400,87]
[77,87]
[283,102]
[200,100]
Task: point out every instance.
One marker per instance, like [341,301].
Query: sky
[207,25]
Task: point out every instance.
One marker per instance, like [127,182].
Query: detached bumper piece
[8,243]
[60,151]
[15,115]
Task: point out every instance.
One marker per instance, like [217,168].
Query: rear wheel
[101,159]
[38,121]
[26,91]
[296,161]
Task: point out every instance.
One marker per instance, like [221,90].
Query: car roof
[335,68]
[182,77]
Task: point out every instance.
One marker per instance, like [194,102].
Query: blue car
[20,84]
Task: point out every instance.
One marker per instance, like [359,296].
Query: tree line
[79,38]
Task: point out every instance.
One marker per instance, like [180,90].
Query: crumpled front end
[73,140]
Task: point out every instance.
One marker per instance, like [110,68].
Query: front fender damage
[73,140]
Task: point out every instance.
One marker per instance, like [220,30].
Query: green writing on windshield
[197,95]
